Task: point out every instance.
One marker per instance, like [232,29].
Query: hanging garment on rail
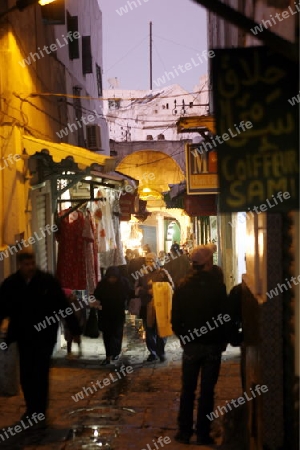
[90,257]
[104,232]
[71,264]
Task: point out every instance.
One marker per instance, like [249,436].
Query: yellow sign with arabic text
[253,85]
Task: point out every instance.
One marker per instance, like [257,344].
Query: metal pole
[151,56]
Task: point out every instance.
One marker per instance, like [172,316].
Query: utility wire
[124,56]
[49,94]
[161,60]
[177,43]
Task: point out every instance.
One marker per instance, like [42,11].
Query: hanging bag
[91,328]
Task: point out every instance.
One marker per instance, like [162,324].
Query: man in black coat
[199,319]
[35,303]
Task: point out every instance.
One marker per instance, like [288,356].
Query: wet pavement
[129,405]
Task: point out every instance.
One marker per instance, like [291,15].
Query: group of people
[200,307]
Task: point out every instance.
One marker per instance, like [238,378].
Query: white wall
[89,24]
[155,115]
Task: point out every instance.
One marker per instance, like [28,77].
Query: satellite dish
[113,83]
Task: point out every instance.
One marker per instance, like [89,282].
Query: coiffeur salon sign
[254,84]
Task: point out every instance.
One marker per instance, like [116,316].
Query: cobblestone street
[128,411]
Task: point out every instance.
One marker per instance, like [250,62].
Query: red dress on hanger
[71,264]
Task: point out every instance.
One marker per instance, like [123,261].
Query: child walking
[80,314]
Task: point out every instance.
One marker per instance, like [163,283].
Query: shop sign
[201,170]
[127,206]
[260,163]
[200,205]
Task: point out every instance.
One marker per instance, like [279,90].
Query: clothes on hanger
[104,232]
[71,269]
[91,261]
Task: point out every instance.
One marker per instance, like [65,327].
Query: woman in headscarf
[112,292]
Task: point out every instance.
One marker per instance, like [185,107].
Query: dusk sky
[179,37]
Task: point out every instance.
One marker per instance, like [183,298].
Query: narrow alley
[126,412]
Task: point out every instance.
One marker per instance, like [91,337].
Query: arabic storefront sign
[200,205]
[127,206]
[201,170]
[254,84]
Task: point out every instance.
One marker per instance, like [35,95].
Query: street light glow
[22,4]
[45,2]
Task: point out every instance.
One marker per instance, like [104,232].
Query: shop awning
[196,123]
[82,157]
[194,205]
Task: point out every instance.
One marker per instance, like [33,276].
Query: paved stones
[141,406]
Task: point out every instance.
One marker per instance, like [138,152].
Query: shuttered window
[99,80]
[72,25]
[87,60]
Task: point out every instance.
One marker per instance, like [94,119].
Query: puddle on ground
[87,435]
[91,437]
[102,412]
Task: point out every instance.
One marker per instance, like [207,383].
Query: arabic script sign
[254,84]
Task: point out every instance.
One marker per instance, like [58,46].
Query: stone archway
[155,170]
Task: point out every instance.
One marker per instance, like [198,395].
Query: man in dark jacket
[178,265]
[113,293]
[199,319]
[35,303]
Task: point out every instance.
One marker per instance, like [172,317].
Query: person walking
[134,267]
[215,270]
[199,319]
[81,317]
[152,273]
[178,265]
[34,302]
[112,292]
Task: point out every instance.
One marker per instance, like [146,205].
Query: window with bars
[87,60]
[114,103]
[99,80]
[73,45]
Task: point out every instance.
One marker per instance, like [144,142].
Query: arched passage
[155,170]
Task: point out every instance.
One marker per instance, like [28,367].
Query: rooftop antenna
[113,83]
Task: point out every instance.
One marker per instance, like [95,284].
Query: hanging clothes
[119,257]
[104,229]
[100,233]
[89,255]
[102,216]
[108,223]
[71,265]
